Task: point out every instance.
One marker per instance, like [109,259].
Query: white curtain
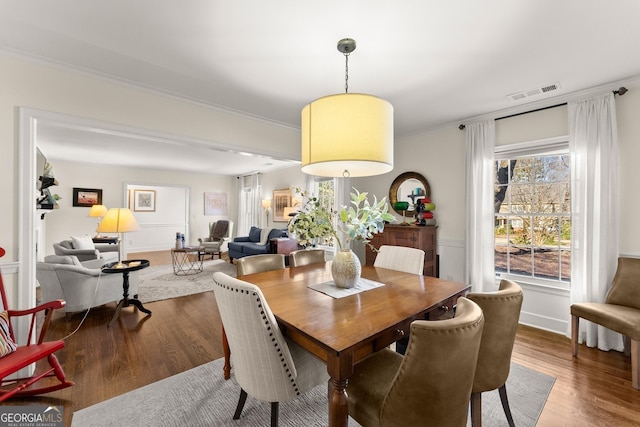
[249,203]
[479,196]
[593,142]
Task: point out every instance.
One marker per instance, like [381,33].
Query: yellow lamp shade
[97,211]
[348,134]
[118,220]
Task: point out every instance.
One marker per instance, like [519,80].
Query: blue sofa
[251,244]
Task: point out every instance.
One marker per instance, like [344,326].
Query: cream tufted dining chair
[501,314]
[305,257]
[267,366]
[431,384]
[259,263]
[401,258]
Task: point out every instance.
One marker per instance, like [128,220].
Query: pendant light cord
[346,72]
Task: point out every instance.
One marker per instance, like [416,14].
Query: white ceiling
[437,62]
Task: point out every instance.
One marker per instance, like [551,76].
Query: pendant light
[349,134]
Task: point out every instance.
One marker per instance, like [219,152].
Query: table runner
[330,288]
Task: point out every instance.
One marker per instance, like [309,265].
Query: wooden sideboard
[413,236]
[284,246]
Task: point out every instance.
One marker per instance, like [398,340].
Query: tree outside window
[533,216]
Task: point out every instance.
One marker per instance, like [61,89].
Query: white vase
[346,269]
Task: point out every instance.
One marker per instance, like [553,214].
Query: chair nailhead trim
[268,326]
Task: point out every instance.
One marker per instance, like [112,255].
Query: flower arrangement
[360,221]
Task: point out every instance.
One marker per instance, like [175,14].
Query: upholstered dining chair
[305,257]
[258,263]
[401,258]
[267,366]
[430,384]
[501,314]
[620,312]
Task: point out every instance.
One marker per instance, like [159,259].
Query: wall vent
[534,92]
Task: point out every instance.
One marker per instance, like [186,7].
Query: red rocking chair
[25,355]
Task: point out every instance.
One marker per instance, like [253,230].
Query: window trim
[547,146]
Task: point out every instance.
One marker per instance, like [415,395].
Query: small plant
[360,221]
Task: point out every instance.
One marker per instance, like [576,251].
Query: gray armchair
[64,277]
[219,235]
[107,252]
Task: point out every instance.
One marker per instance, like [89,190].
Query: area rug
[159,282]
[201,397]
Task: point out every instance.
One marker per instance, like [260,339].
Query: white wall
[439,156]
[284,178]
[54,89]
[68,220]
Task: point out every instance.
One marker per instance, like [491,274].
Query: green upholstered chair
[305,257]
[259,263]
[619,312]
[501,315]
[431,384]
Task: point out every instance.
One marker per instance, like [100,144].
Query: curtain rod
[620,92]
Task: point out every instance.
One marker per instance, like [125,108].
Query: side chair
[431,384]
[305,257]
[267,366]
[620,312]
[258,263]
[17,356]
[250,265]
[501,315]
[401,258]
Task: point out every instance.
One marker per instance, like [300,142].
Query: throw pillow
[7,345]
[264,235]
[82,242]
[254,234]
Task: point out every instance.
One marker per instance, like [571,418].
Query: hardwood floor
[592,390]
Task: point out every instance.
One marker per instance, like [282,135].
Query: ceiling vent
[534,92]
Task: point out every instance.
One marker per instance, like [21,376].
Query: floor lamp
[118,220]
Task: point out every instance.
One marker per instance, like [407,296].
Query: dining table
[344,330]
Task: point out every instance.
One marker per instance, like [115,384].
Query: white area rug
[201,397]
[159,282]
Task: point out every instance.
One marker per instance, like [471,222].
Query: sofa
[65,277]
[256,243]
[84,249]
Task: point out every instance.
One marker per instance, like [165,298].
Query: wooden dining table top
[336,325]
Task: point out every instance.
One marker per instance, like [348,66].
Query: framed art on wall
[215,203]
[144,200]
[281,199]
[87,197]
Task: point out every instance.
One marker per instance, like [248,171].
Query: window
[532,228]
[324,189]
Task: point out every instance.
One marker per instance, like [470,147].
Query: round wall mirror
[404,187]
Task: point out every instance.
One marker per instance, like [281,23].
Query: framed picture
[87,197]
[144,200]
[281,199]
[215,203]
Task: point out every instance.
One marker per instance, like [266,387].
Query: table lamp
[118,220]
[402,206]
[98,211]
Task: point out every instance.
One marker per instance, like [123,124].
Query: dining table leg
[340,368]
[227,356]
